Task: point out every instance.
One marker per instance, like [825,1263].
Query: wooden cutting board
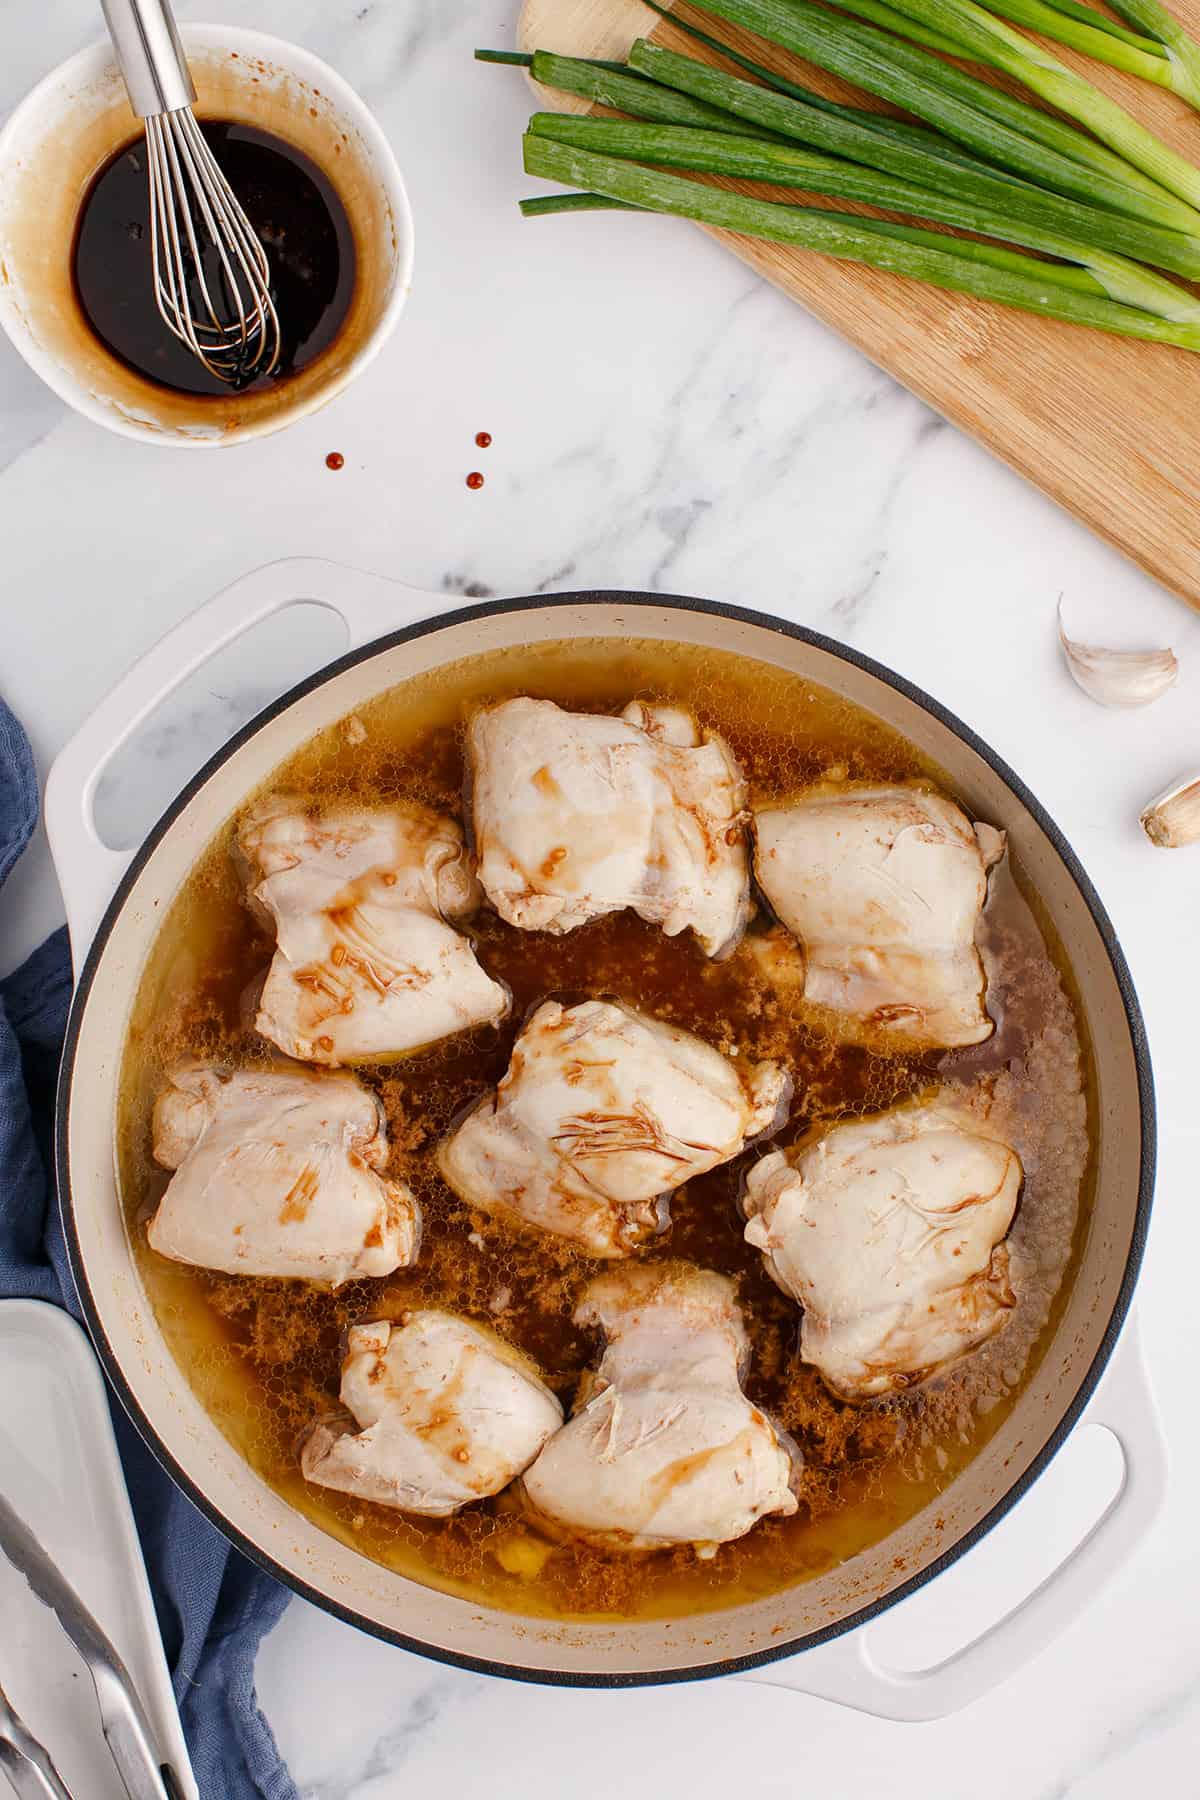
[1108,428]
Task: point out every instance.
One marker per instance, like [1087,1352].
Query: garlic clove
[1174,818]
[1118,677]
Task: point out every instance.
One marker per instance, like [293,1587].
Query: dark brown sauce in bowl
[299,218]
[264,1356]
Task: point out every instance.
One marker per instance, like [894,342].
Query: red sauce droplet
[335,460]
[474,479]
[483,439]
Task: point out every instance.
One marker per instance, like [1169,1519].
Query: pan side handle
[88,870]
[846,1671]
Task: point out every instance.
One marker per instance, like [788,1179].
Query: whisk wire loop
[210,271]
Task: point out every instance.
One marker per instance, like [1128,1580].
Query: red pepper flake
[483,439]
[474,479]
[335,460]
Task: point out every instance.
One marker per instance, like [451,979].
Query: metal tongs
[25,1762]
[126,1729]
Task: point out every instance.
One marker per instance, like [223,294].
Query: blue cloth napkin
[213,1605]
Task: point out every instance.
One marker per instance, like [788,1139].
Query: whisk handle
[150,53]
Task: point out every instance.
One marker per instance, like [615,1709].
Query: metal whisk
[210,272]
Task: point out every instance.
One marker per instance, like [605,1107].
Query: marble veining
[660,420]
[381,1760]
[1169,1723]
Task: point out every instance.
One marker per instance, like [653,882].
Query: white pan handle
[845,1669]
[88,871]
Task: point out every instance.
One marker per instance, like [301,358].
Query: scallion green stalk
[749,159]
[1077,26]
[1040,71]
[542,204]
[1085,30]
[981,186]
[898,130]
[848,239]
[617,86]
[1087,15]
[1180,46]
[523,59]
[992,124]
[880,13]
[626,92]
[1065,275]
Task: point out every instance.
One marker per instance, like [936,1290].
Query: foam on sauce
[264,1356]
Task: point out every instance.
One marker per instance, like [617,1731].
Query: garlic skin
[1118,677]
[1173,819]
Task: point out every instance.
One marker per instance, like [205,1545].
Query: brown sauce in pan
[264,1356]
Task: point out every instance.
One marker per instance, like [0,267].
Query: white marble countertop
[660,420]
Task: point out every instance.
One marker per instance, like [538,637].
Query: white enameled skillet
[801,1638]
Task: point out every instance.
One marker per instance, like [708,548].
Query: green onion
[1153,21]
[1065,275]
[694,31]
[880,13]
[562,203]
[1086,30]
[980,186]
[897,130]
[1060,86]
[1087,15]
[523,59]
[1160,33]
[748,159]
[617,86]
[1070,24]
[848,239]
[954,102]
[1061,274]
[1158,23]
[1005,109]
[626,92]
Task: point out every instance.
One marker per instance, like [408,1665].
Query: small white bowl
[66,129]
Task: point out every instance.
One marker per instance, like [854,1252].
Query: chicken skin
[277,1172]
[447,1413]
[665,1448]
[884,887]
[367,963]
[581,814]
[889,1233]
[603,1112]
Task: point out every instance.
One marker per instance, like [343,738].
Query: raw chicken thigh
[367,965]
[276,1174]
[603,1112]
[888,1232]
[666,1449]
[581,814]
[884,887]
[447,1413]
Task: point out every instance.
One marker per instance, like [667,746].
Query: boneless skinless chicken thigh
[884,886]
[367,963]
[447,1413]
[277,1172]
[581,814]
[888,1231]
[602,1113]
[666,1448]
